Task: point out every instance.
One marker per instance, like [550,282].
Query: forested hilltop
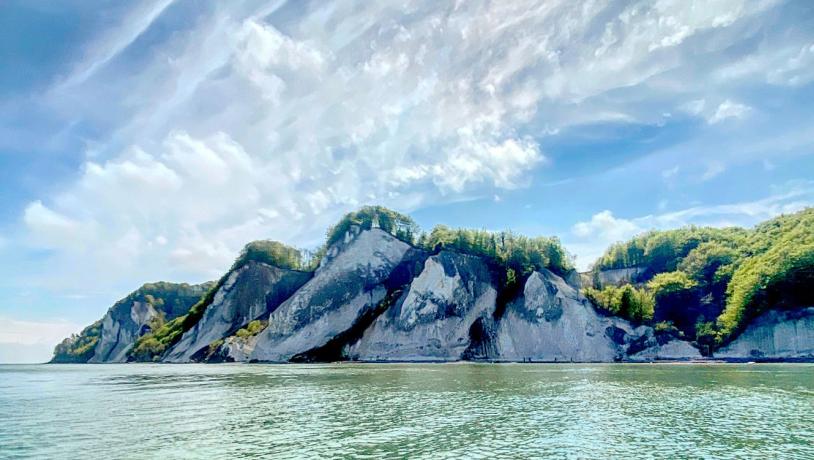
[707,284]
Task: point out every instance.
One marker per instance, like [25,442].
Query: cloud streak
[108,47]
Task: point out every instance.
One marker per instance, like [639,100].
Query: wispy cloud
[106,48]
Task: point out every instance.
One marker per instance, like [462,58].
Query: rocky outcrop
[551,321]
[776,334]
[249,292]
[648,345]
[132,317]
[340,300]
[233,349]
[431,321]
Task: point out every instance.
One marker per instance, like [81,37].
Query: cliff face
[433,317]
[120,329]
[775,334]
[352,281]
[113,337]
[551,321]
[249,292]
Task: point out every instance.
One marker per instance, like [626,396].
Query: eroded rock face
[351,282]
[233,349]
[120,329]
[130,318]
[619,276]
[775,334]
[551,321]
[251,291]
[432,319]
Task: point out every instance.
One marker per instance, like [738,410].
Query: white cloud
[604,225]
[729,109]
[270,122]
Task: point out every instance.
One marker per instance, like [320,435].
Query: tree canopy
[518,253]
[717,280]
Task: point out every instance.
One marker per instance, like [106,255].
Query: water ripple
[400,411]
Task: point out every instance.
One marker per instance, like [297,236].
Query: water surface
[407,410]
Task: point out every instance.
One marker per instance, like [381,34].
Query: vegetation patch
[78,348]
[710,283]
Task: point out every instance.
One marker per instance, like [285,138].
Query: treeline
[711,282]
[663,251]
[519,255]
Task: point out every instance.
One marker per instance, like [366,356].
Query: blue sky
[150,140]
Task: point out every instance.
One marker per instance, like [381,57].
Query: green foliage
[251,329]
[662,251]
[213,347]
[703,264]
[625,301]
[171,299]
[706,335]
[78,348]
[520,254]
[779,273]
[399,225]
[665,327]
[664,285]
[272,253]
[735,273]
[151,346]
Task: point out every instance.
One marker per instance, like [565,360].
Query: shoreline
[806,360]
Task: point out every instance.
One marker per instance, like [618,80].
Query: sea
[425,411]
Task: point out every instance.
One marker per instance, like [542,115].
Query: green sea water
[432,411]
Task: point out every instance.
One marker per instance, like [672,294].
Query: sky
[150,140]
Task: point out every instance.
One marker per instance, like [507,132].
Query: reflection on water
[420,411]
